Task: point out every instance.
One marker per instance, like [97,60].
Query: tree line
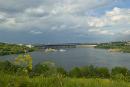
[23,66]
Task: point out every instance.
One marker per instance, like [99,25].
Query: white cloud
[101,31]
[115,17]
[111,23]
[35,11]
[11,21]
[97,22]
[105,32]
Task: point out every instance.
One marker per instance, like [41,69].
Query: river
[73,57]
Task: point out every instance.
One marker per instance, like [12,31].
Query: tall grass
[57,81]
[7,80]
[95,83]
[74,82]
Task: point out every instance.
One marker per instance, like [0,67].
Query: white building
[29,45]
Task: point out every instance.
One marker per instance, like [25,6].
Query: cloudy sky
[59,21]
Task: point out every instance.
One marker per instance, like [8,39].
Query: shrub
[119,77]
[46,68]
[102,72]
[119,70]
[75,72]
[61,71]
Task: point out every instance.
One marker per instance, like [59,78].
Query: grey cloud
[17,5]
[51,17]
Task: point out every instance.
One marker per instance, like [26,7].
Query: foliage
[46,69]
[7,49]
[24,61]
[89,72]
[119,70]
[102,72]
[8,67]
[62,71]
[119,77]
[75,72]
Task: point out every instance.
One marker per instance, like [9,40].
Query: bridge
[56,46]
[66,45]
[87,46]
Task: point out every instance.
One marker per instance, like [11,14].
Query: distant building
[128,43]
[30,46]
[20,44]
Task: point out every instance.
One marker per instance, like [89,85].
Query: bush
[102,72]
[45,69]
[8,67]
[61,71]
[119,77]
[75,72]
[88,71]
[119,70]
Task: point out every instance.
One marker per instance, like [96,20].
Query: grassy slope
[24,81]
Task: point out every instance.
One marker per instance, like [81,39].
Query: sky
[64,21]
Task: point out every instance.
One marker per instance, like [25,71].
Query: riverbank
[114,50]
[115,47]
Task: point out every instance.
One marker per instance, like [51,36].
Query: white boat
[50,50]
[62,50]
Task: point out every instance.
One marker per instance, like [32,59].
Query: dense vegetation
[7,49]
[57,81]
[120,46]
[20,73]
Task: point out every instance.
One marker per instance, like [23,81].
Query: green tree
[119,70]
[46,69]
[24,61]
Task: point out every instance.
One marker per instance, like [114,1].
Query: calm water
[80,57]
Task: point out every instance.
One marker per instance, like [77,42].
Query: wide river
[79,57]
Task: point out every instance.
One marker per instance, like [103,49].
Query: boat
[62,50]
[50,50]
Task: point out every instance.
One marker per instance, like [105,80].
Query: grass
[82,82]
[7,80]
[57,81]
[95,83]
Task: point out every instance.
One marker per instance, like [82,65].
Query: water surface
[80,57]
